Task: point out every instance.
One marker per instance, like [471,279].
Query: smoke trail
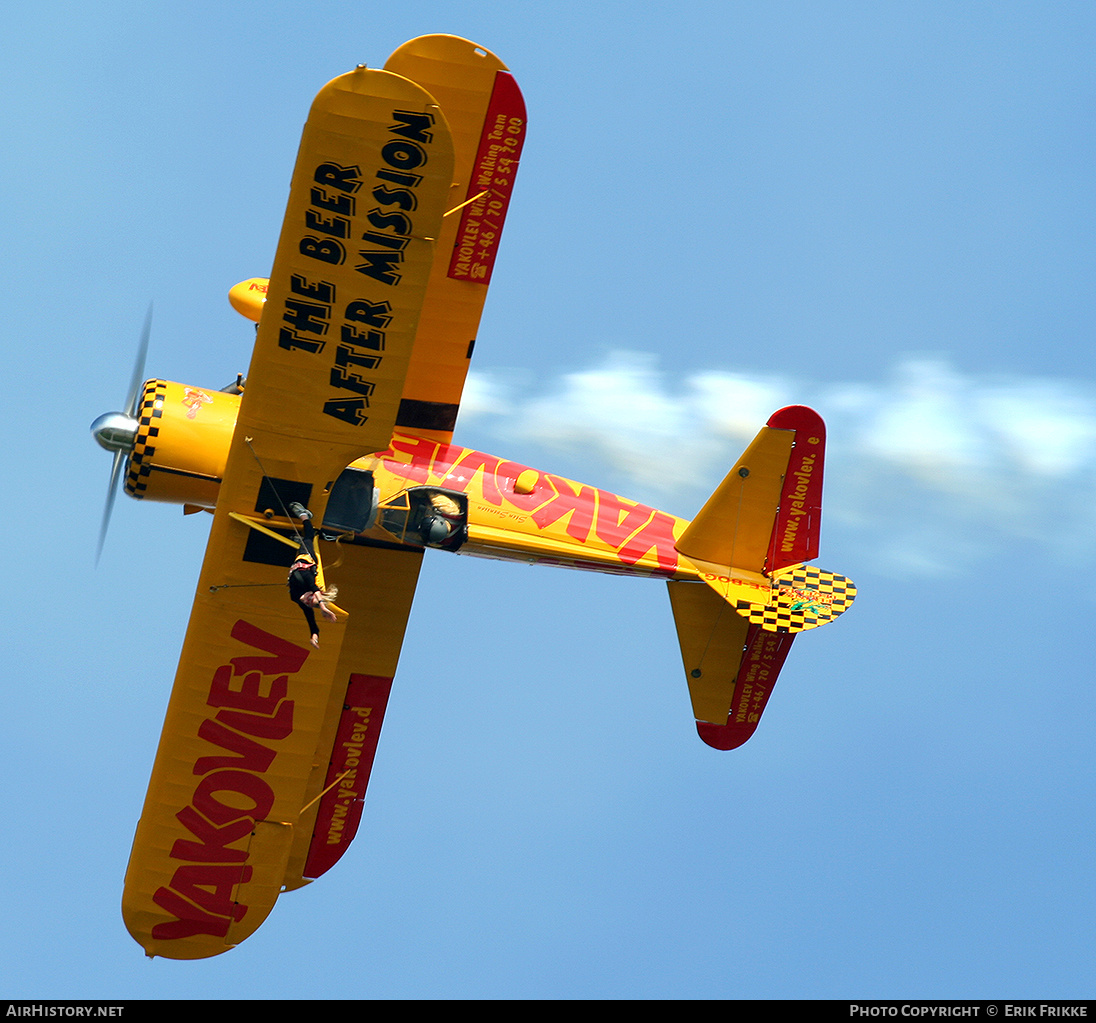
[931,469]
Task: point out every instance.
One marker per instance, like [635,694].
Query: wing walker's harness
[255,524]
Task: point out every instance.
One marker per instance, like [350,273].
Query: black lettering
[386,241]
[372,339]
[321,291]
[381,266]
[346,355]
[343,204]
[413,125]
[376,314]
[400,197]
[403,155]
[398,178]
[325,251]
[349,410]
[345,381]
[337,227]
[287,339]
[344,179]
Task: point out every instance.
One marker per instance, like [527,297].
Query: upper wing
[255,714]
[486,115]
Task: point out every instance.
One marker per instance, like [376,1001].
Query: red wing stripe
[348,772]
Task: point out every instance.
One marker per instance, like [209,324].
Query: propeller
[117,431]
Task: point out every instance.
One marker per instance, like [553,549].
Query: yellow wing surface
[267,742]
[342,309]
[266,747]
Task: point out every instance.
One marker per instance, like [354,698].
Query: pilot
[441,521]
[304,588]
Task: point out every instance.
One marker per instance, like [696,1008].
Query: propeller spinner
[117,431]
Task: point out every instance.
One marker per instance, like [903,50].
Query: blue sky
[882,210]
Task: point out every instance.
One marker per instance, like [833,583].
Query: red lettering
[210,887]
[506,474]
[276,727]
[422,454]
[618,519]
[468,463]
[251,755]
[248,697]
[656,535]
[250,786]
[286,657]
[250,694]
[579,505]
[213,843]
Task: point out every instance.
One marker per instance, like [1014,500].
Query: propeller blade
[138,376]
[115,431]
[112,491]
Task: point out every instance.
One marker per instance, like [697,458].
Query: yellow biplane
[365,331]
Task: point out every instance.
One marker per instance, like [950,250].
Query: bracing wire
[266,476]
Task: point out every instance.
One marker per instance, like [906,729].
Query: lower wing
[267,743]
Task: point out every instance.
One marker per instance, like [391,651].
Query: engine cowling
[183,434]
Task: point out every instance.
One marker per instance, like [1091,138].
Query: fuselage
[421,491]
[518,513]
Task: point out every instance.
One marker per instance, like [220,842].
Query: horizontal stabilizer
[803,597]
[730,664]
[712,638]
[761,663]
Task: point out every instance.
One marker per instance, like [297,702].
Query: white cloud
[931,468]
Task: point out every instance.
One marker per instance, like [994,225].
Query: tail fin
[748,544]
[766,514]
[750,540]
